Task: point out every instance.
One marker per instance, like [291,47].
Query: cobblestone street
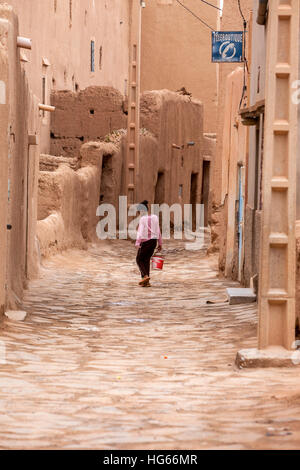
[101,363]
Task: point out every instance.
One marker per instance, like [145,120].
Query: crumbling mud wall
[172,141]
[69,194]
[20,126]
[71,187]
[175,124]
[60,209]
[88,115]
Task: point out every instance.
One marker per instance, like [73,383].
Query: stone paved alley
[102,363]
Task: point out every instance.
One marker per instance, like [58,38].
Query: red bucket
[157,262]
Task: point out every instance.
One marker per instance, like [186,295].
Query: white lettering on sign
[228,37]
[2,92]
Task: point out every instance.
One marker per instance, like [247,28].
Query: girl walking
[148,238]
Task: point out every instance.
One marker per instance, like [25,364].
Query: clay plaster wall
[176,52]
[173,119]
[67,208]
[19,118]
[257,95]
[68,199]
[252,244]
[88,115]
[231,21]
[233,156]
[170,117]
[61,33]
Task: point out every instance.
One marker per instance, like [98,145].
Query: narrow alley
[100,363]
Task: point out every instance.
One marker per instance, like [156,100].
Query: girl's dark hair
[143,205]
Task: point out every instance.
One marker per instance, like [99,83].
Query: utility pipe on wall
[262,10]
[46,107]
[24,43]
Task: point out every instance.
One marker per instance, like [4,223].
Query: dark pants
[144,254]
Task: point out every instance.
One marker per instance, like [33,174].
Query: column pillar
[278,256]
[277,273]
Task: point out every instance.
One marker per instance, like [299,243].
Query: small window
[100,57]
[258,80]
[92,56]
[180,190]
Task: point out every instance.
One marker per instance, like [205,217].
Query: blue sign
[227,46]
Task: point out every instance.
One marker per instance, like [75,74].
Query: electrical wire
[244,53]
[192,13]
[241,12]
[211,5]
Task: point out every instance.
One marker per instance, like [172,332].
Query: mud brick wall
[88,115]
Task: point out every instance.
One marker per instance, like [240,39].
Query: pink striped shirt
[148,230]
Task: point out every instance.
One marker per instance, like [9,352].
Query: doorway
[205,190]
[107,181]
[159,197]
[193,198]
[241,171]
[160,189]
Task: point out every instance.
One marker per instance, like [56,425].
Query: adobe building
[19,149]
[175,158]
[176,51]
[44,46]
[63,100]
[75,44]
[253,117]
[260,206]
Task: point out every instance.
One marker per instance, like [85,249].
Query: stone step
[240,296]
